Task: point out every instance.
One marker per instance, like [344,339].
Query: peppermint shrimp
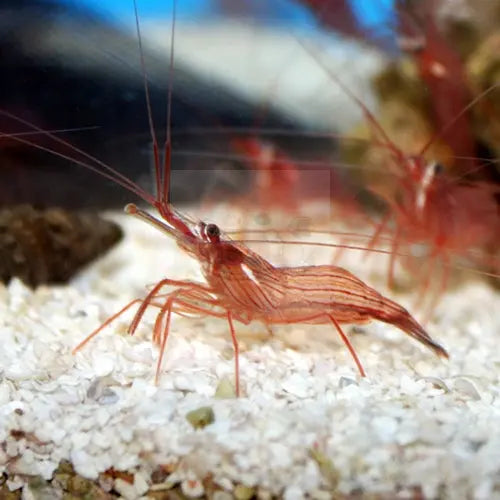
[449,216]
[284,183]
[276,176]
[240,285]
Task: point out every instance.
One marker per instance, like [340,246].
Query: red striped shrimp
[450,217]
[275,177]
[286,184]
[240,285]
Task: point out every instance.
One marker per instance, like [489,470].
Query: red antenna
[370,117]
[162,176]
[167,153]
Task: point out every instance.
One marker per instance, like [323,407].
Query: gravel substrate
[306,424]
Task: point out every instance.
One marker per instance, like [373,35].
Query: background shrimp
[439,194]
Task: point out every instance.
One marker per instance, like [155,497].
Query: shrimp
[450,217]
[276,176]
[240,285]
[285,184]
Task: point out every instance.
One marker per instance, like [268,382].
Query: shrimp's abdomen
[314,293]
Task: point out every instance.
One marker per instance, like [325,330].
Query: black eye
[438,169]
[212,231]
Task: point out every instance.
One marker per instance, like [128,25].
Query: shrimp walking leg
[439,290]
[167,308]
[392,262]
[179,298]
[187,307]
[348,344]
[154,292]
[105,324]
[375,239]
[432,264]
[236,353]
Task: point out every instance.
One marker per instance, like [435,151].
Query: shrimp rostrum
[242,286]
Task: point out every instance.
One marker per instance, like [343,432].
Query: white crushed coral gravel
[414,421]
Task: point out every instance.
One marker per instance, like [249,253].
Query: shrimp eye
[212,231]
[438,169]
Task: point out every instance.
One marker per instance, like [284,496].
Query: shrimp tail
[402,319]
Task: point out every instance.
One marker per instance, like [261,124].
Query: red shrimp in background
[454,213]
[449,216]
[276,176]
[283,184]
[453,220]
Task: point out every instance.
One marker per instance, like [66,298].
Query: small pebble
[242,492]
[192,488]
[125,489]
[225,389]
[201,417]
